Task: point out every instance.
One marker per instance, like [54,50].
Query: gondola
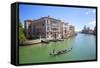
[60,52]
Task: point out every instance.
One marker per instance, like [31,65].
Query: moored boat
[44,41]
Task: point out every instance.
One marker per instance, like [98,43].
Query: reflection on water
[83,48]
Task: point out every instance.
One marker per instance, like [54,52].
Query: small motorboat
[42,41]
[56,40]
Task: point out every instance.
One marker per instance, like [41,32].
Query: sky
[77,17]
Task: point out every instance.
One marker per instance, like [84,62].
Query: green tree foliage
[21,34]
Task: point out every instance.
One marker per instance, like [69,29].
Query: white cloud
[93,11]
[92,23]
[87,13]
[90,12]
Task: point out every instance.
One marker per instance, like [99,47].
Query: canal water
[83,48]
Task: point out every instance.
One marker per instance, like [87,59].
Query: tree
[21,34]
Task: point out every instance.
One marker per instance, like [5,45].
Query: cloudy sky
[75,16]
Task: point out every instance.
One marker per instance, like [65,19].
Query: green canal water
[83,48]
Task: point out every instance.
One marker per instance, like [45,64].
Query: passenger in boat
[50,54]
[64,50]
[53,51]
[59,52]
[71,48]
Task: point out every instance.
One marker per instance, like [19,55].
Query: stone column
[46,26]
[32,28]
